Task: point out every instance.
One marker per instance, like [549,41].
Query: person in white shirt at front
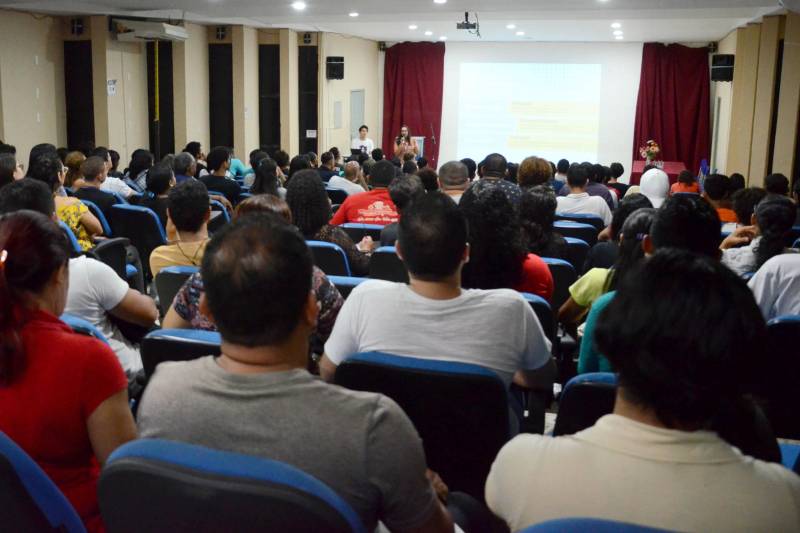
[578,200]
[656,461]
[352,182]
[362,142]
[432,317]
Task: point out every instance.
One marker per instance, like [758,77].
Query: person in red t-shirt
[372,207]
[63,396]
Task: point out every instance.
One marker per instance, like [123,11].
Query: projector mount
[473,28]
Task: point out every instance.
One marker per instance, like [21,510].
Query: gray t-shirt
[360,444]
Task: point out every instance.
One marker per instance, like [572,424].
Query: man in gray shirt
[258,399]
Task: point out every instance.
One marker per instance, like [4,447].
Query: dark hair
[377,154]
[217,157]
[159,179]
[382,174]
[410,167]
[7,148]
[497,249]
[281,158]
[406,189]
[627,205]
[577,176]
[686,366]
[429,179]
[686,177]
[471,167]
[777,184]
[264,203]
[537,212]
[363,127]
[114,159]
[188,205]
[562,166]
[141,160]
[256,157]
[511,172]
[495,165]
[689,224]
[299,162]
[257,275]
[736,182]
[36,248]
[335,152]
[101,152]
[432,235]
[308,202]
[27,193]
[312,159]
[193,147]
[266,181]
[46,168]
[631,251]
[92,167]
[745,201]
[717,186]
[40,150]
[8,165]
[326,158]
[422,162]
[597,173]
[617,170]
[775,215]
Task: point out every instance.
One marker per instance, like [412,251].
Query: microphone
[433,133]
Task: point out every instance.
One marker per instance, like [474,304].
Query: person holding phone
[404,143]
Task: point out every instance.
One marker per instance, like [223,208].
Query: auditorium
[435,266]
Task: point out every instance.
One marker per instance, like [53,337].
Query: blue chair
[98,213]
[336,196]
[218,220]
[790,455]
[583,218]
[544,313]
[73,239]
[585,399]
[330,258]
[84,327]
[114,253]
[358,231]
[160,486]
[796,244]
[216,193]
[793,236]
[460,410]
[781,384]
[385,264]
[245,195]
[346,284]
[177,345]
[169,281]
[577,250]
[595,525]
[564,275]
[578,230]
[29,500]
[121,200]
[142,226]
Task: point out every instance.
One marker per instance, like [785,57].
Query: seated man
[258,399]
[595,174]
[454,179]
[433,317]
[219,162]
[327,168]
[494,170]
[352,182]
[654,461]
[188,213]
[716,189]
[94,172]
[577,200]
[373,207]
[776,286]
[112,183]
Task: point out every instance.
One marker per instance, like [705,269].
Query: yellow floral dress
[71,216]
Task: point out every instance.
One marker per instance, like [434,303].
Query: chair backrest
[595,525]
[177,345]
[165,487]
[346,284]
[460,410]
[578,230]
[564,275]
[585,399]
[358,231]
[73,239]
[169,281]
[121,200]
[782,382]
[98,213]
[29,500]
[385,264]
[114,253]
[84,327]
[336,196]
[583,218]
[577,250]
[544,313]
[330,258]
[216,205]
[142,226]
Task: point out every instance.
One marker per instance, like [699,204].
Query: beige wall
[786,132]
[723,96]
[245,91]
[190,86]
[765,84]
[743,106]
[32,106]
[361,72]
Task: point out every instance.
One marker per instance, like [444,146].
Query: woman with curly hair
[537,213]
[498,255]
[311,211]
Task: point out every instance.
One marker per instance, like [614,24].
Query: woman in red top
[686,183]
[498,255]
[63,396]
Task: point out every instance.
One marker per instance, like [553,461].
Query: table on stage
[672,168]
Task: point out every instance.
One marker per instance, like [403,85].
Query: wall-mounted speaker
[306,38]
[76,26]
[722,67]
[222,32]
[334,68]
[381,46]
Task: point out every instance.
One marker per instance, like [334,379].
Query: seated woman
[10,169]
[686,183]
[311,211]
[267,180]
[71,211]
[64,396]
[498,256]
[185,310]
[537,213]
[160,179]
[682,358]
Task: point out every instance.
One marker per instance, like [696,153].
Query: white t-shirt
[358,144]
[776,286]
[338,182]
[626,471]
[118,186]
[742,259]
[95,289]
[583,203]
[496,329]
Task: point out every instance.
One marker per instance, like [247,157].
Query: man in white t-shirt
[578,200]
[112,184]
[776,286]
[432,317]
[362,142]
[350,182]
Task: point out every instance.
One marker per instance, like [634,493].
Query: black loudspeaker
[334,67]
[722,67]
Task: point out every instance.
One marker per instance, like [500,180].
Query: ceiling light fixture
[443,38]
[428,33]
[439,1]
[511,27]
[353,14]
[520,33]
[616,25]
[298,6]
[413,27]
[619,37]
[617,32]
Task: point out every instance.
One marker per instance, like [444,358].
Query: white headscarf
[655,185]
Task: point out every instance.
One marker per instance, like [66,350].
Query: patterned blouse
[359,261]
[187,306]
[71,216]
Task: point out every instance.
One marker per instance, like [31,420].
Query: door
[356,112]
[78,93]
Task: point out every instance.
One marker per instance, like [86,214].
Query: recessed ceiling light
[520,33]
[443,38]
[616,25]
[413,27]
[353,14]
[439,1]
[619,37]
[298,6]
[428,33]
[617,32]
[511,26]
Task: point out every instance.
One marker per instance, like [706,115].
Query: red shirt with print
[373,207]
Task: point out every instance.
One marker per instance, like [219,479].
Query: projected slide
[523,109]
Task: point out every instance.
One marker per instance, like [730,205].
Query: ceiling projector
[466,25]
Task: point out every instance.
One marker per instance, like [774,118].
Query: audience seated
[74,176]
[196,150]
[494,170]
[604,253]
[219,161]
[403,190]
[141,161]
[686,183]
[112,183]
[654,461]
[372,207]
[454,179]
[561,171]
[537,213]
[352,182]
[655,185]
[736,183]
[744,205]
[578,200]
[64,396]
[776,286]
[327,168]
[258,399]
[188,213]
[472,167]
[433,317]
[184,166]
[10,169]
[716,189]
[160,181]
[777,184]
[95,172]
[499,255]
[297,164]
[256,157]
[429,178]
[594,186]
[267,180]
[535,171]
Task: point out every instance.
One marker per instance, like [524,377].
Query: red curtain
[673,105]
[412,95]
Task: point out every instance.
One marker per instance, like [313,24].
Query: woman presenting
[404,143]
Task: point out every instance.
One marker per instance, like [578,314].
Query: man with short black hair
[373,207]
[561,171]
[410,167]
[219,161]
[494,170]
[95,172]
[716,189]
[112,184]
[777,184]
[327,169]
[595,175]
[377,155]
[257,398]
[453,179]
[578,200]
[472,167]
